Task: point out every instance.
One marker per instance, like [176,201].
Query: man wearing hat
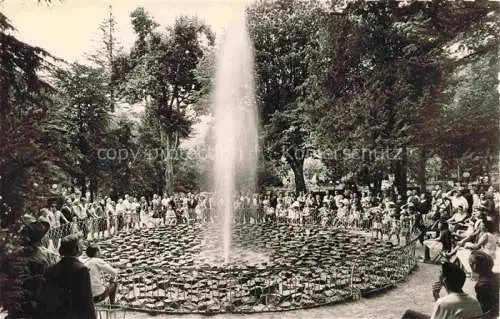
[68,287]
[20,298]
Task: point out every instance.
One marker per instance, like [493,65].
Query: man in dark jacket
[68,283]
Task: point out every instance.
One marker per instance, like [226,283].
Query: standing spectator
[22,272]
[119,212]
[165,204]
[156,206]
[110,213]
[101,218]
[68,291]
[67,210]
[418,222]
[81,215]
[59,217]
[47,216]
[68,213]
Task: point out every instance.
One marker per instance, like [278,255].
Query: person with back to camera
[97,268]
[67,292]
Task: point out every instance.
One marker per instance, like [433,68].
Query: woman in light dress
[377,213]
[170,218]
[308,207]
[293,213]
[324,214]
[199,209]
[281,212]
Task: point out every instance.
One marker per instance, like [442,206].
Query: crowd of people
[386,215]
[456,224]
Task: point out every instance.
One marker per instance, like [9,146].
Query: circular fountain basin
[271,268]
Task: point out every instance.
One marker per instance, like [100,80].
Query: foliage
[284,36]
[384,83]
[164,75]
[470,121]
[29,137]
[85,116]
[109,57]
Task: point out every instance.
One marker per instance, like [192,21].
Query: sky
[69,28]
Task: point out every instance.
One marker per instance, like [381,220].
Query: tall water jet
[236,136]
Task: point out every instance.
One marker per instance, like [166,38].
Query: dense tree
[469,141]
[163,75]
[30,140]
[109,57]
[85,117]
[284,36]
[385,80]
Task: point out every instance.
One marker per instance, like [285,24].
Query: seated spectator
[487,241]
[473,228]
[456,304]
[487,285]
[97,268]
[443,243]
[458,219]
[67,289]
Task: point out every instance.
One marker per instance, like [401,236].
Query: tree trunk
[93,188]
[422,181]
[82,184]
[377,181]
[167,162]
[400,174]
[298,172]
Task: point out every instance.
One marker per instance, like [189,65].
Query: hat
[295,204]
[34,230]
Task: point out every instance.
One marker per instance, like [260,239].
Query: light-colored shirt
[490,244]
[97,267]
[80,211]
[456,305]
[459,201]
[57,218]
